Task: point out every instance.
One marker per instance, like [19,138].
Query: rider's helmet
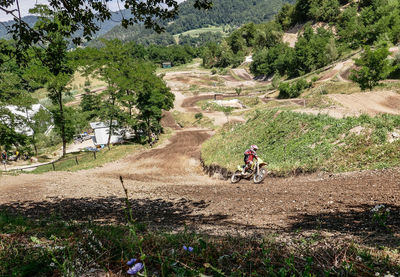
[254,147]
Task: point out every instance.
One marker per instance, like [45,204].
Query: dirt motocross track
[168,189]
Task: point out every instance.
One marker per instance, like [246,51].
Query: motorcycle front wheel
[236,176]
[258,178]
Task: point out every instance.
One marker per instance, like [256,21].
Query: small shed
[218,96]
[166,65]
[101,132]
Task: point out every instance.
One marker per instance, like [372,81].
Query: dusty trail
[168,189]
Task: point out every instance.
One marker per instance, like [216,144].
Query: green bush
[373,67]
[198,116]
[294,90]
[314,79]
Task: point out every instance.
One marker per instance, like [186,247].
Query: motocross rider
[249,156]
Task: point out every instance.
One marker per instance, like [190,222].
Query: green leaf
[35,240]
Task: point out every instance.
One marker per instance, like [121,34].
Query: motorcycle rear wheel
[236,176]
[258,178]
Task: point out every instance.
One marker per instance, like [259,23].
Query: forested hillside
[137,33]
[224,13]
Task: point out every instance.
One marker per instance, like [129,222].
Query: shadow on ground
[375,228]
[156,213]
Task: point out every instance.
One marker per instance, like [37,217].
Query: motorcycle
[257,171]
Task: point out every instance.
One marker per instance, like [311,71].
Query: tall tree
[14,90]
[152,98]
[373,66]
[56,64]
[134,93]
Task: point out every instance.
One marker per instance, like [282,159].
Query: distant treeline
[157,54]
[141,35]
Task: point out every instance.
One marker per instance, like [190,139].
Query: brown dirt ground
[190,102]
[242,74]
[185,79]
[329,75]
[372,103]
[345,75]
[78,97]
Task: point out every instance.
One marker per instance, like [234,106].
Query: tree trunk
[33,135]
[34,144]
[109,133]
[149,131]
[110,125]
[62,122]
[130,110]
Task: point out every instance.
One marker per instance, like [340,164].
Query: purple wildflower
[135,269]
[131,262]
[190,249]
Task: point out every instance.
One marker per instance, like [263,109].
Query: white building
[101,132]
[24,115]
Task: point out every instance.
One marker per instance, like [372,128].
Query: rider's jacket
[249,155]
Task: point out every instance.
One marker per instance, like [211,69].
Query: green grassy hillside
[293,142]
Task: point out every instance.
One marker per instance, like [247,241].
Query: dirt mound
[392,102]
[78,98]
[190,103]
[168,121]
[180,157]
[345,75]
[290,38]
[242,74]
[328,75]
[371,103]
